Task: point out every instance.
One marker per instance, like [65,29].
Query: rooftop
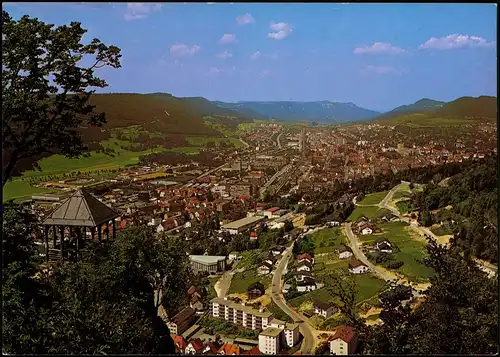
[247,309]
[81,209]
[206,259]
[242,222]
[271,332]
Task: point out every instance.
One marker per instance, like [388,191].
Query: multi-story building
[290,336]
[270,341]
[240,314]
[344,342]
[182,321]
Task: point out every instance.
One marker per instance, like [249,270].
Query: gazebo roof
[81,209]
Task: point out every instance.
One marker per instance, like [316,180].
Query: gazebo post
[107,230]
[92,232]
[114,229]
[46,233]
[99,232]
[78,234]
[62,242]
[55,236]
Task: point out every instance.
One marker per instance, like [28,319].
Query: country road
[223,284]
[305,329]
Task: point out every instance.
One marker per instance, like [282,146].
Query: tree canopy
[104,303]
[46,89]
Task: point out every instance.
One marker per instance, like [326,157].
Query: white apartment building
[290,336]
[240,314]
[270,341]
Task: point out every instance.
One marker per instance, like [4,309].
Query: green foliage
[45,94]
[458,316]
[104,303]
[278,313]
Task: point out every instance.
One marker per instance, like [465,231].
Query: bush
[395,264]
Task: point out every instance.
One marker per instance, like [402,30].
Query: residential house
[211,348]
[345,252]
[196,304]
[194,347]
[357,267]
[256,290]
[270,213]
[333,224]
[194,291]
[277,250]
[179,342]
[301,275]
[304,266]
[305,256]
[344,341]
[366,229]
[229,349]
[271,259]
[253,235]
[308,284]
[383,245]
[264,268]
[323,308]
[182,321]
[234,256]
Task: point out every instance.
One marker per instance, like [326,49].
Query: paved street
[222,286]
[305,329]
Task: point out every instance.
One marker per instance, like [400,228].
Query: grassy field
[368,288]
[368,211]
[202,141]
[58,164]
[441,231]
[373,198]
[411,250]
[278,313]
[241,281]
[403,206]
[403,191]
[326,240]
[19,190]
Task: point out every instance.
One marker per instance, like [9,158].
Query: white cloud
[183,50]
[228,38]
[379,48]
[281,30]
[379,69]
[214,71]
[137,10]
[245,19]
[455,41]
[264,73]
[225,55]
[382,70]
[255,56]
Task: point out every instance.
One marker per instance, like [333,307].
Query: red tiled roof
[273,209]
[345,333]
[253,351]
[179,341]
[253,234]
[197,344]
[355,263]
[304,256]
[229,349]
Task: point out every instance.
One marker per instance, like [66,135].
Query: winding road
[307,331]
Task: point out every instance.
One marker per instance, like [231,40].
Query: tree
[103,303]
[288,226]
[45,94]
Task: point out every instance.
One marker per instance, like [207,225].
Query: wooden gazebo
[78,214]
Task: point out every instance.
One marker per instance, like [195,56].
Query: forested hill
[466,206]
[480,108]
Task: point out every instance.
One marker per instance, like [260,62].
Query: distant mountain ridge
[293,111]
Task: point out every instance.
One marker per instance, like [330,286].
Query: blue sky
[378,56]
